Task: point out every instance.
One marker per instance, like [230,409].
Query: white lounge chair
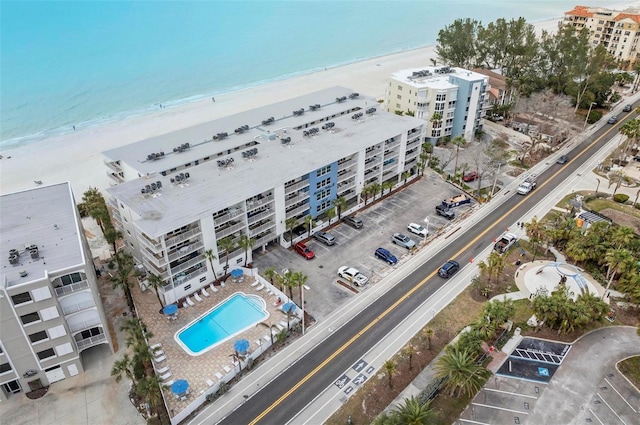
[204,292]
[209,382]
[197,297]
[165,376]
[157,352]
[185,305]
[260,287]
[162,370]
[255,283]
[279,325]
[266,338]
[160,359]
[223,284]
[155,346]
[218,375]
[190,302]
[213,287]
[226,368]
[168,383]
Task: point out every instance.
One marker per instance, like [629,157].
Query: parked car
[417,229]
[304,250]
[300,230]
[612,120]
[354,222]
[470,176]
[386,255]
[448,269]
[627,108]
[325,237]
[563,159]
[352,275]
[445,212]
[402,240]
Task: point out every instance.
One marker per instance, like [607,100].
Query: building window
[57,332]
[399,96]
[63,349]
[46,354]
[5,367]
[399,87]
[41,294]
[38,336]
[323,194]
[72,278]
[30,318]
[398,105]
[25,297]
[324,170]
[323,183]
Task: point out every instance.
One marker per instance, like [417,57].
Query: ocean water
[85,63]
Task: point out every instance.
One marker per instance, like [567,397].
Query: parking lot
[355,247]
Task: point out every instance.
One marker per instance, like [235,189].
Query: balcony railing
[257,203]
[261,228]
[74,287]
[264,239]
[113,165]
[181,280]
[371,153]
[91,341]
[69,309]
[116,177]
[154,245]
[174,240]
[299,185]
[185,250]
[85,324]
[296,211]
[181,267]
[153,269]
[346,188]
[230,230]
[153,258]
[259,216]
[346,176]
[299,197]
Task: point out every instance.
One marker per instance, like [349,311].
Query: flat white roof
[211,188]
[435,77]
[45,217]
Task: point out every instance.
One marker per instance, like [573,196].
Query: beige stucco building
[617,31]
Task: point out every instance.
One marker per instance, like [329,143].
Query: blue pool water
[236,314]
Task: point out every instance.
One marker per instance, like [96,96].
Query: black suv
[448,269]
[445,212]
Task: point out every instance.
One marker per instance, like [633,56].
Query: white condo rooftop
[436,77]
[212,188]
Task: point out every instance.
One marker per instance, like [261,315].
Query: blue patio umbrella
[289,307]
[241,346]
[170,309]
[236,272]
[180,387]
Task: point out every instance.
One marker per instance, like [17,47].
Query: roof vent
[242,129]
[34,254]
[268,121]
[14,259]
[23,273]
[328,126]
[357,116]
[314,107]
[183,147]
[341,99]
[155,155]
[298,112]
[354,95]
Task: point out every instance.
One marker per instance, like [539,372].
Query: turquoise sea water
[84,63]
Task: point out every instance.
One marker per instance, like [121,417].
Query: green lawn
[631,369]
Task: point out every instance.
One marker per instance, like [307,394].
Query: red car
[470,176]
[304,250]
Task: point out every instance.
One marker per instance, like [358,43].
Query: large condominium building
[617,31]
[252,174]
[455,95]
[50,307]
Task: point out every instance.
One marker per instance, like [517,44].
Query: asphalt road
[281,399]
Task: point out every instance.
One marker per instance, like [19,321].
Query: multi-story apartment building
[178,195]
[499,94]
[50,307]
[617,31]
[456,95]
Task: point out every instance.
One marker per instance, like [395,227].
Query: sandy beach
[77,158]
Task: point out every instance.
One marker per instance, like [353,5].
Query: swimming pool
[231,317]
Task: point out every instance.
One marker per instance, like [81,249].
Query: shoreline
[76,156]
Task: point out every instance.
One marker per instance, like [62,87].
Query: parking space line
[500,408]
[341,234]
[473,422]
[620,395]
[596,416]
[323,247]
[510,393]
[386,208]
[610,408]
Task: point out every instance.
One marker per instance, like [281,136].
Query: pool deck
[215,362]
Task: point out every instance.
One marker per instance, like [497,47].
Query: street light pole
[588,113]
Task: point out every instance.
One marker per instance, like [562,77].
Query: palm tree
[270,326]
[270,273]
[375,188]
[494,266]
[299,280]
[413,412]
[125,271]
[309,222]
[94,205]
[631,129]
[286,281]
[149,389]
[457,142]
[463,375]
[436,121]
[123,367]
[226,245]
[405,176]
[246,243]
[155,281]
[410,351]
[111,235]
[209,255]
[291,224]
[366,191]
[617,177]
[390,368]
[616,259]
[340,203]
[331,214]
[387,185]
[429,334]
[535,231]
